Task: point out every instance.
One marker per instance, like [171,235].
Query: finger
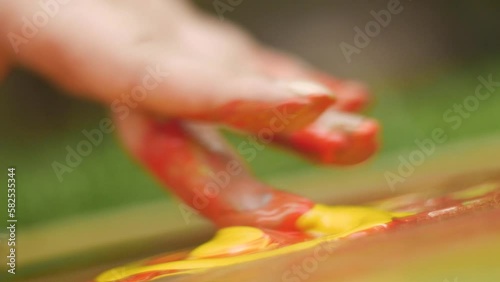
[351,96]
[335,138]
[256,116]
[183,163]
[198,166]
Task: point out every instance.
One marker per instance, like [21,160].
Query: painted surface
[235,245]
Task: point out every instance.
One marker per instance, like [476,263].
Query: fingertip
[307,88]
[336,139]
[352,96]
[295,103]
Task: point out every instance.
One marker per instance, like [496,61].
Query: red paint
[193,172]
[254,116]
[338,147]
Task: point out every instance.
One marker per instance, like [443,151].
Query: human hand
[202,70]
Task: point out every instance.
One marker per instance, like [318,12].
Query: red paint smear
[190,171]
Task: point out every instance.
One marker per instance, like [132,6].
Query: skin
[210,72]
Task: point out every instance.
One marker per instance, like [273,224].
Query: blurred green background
[424,62]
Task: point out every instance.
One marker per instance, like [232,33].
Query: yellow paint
[249,243]
[324,220]
[232,241]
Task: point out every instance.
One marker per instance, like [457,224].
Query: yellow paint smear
[244,244]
